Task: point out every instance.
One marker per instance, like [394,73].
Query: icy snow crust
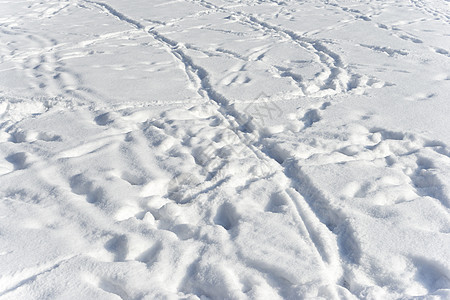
[224,149]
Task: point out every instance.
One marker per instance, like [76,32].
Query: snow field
[224,150]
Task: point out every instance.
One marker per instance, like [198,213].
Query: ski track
[324,240]
[36,274]
[335,77]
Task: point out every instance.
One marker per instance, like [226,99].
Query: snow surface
[224,149]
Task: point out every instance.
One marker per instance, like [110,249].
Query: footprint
[431,274]
[277,203]
[441,51]
[236,79]
[105,118]
[81,185]
[427,183]
[412,39]
[22,136]
[387,134]
[48,137]
[113,287]
[226,216]
[421,96]
[19,160]
[311,116]
[118,245]
[150,255]
[181,187]
[387,50]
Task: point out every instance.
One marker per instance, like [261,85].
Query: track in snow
[204,199]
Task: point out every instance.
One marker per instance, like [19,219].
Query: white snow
[224,149]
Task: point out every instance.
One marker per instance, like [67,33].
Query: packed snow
[224,149]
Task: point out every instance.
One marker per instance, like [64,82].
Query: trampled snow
[224,149]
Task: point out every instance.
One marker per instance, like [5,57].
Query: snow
[224,149]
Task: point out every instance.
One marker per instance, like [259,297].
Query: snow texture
[224,149]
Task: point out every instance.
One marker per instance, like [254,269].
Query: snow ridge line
[241,125]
